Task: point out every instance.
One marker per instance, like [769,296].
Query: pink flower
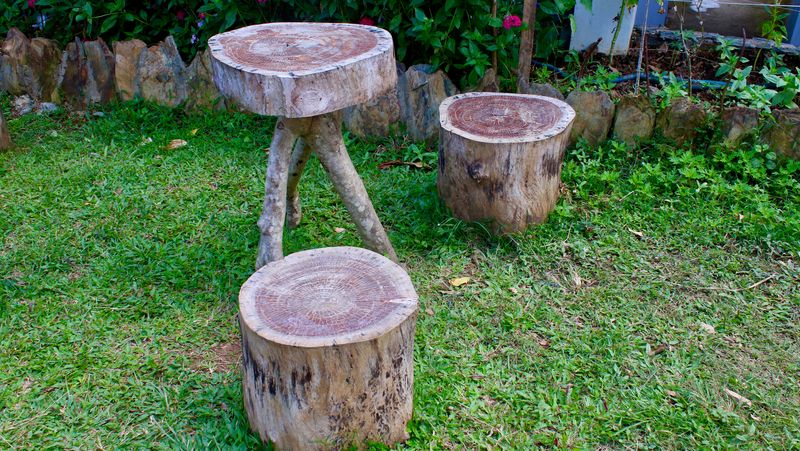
[261,2]
[181,14]
[366,21]
[511,22]
[31,4]
[201,16]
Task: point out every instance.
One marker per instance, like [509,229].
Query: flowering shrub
[458,35]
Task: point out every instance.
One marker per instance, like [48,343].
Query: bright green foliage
[457,35]
[121,263]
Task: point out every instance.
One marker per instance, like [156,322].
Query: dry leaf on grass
[638,234]
[576,279]
[708,328]
[458,281]
[338,229]
[429,311]
[175,144]
[394,163]
[738,397]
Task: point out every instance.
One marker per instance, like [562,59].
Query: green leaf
[230,18]
[587,4]
[108,24]
[419,15]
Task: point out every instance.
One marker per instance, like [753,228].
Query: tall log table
[306,73]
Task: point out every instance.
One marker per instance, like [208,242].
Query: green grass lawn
[121,263]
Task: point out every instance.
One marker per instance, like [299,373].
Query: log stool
[305,73]
[500,157]
[327,338]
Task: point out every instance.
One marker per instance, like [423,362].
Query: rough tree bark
[526,46]
[313,71]
[5,137]
[300,156]
[327,339]
[500,157]
[303,69]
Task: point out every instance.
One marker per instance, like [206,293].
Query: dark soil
[671,57]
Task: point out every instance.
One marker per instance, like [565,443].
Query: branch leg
[270,246]
[326,136]
[300,157]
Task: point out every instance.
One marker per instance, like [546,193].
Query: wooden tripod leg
[270,246]
[300,156]
[326,136]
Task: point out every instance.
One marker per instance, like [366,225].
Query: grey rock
[16,77]
[202,91]
[44,59]
[545,89]
[594,113]
[100,62]
[420,91]
[488,83]
[738,122]
[88,73]
[23,105]
[377,118]
[161,74]
[681,120]
[783,135]
[126,60]
[634,119]
[46,107]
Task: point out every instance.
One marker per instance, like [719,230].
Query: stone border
[88,72]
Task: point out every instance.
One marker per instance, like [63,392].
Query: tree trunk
[306,73]
[500,157]
[5,137]
[303,69]
[327,339]
[326,138]
[526,46]
[300,156]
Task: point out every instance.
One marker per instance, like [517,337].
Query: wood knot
[280,125]
[476,172]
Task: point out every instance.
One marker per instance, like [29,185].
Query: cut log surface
[328,349]
[303,69]
[500,157]
[504,118]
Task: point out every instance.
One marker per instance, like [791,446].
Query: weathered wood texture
[323,135]
[306,73]
[300,157]
[5,137]
[500,157]
[302,69]
[327,339]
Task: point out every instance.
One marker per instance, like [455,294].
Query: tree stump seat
[306,73]
[500,157]
[327,337]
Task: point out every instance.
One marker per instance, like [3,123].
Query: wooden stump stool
[500,157]
[327,337]
[305,73]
